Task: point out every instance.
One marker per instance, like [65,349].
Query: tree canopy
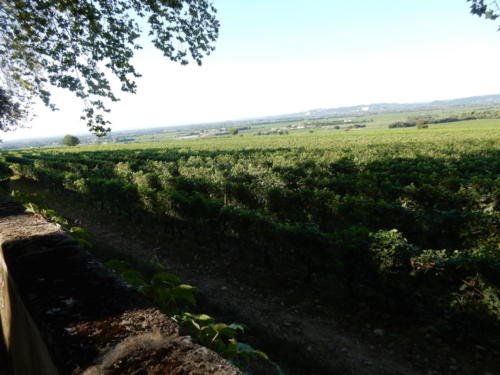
[11,112]
[79,44]
[487,9]
[70,140]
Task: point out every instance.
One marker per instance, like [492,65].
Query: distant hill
[473,101]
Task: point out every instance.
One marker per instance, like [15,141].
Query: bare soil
[300,329]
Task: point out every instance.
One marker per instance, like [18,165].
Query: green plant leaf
[165,277]
[261,354]
[31,208]
[134,278]
[238,326]
[184,291]
[117,265]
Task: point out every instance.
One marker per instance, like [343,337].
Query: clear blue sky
[285,30]
[282,56]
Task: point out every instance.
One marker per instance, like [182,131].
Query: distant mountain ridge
[484,100]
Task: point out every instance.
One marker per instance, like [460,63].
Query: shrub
[402,124]
[422,124]
[391,252]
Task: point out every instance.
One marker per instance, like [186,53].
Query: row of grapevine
[379,214]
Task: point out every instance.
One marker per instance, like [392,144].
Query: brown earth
[293,323]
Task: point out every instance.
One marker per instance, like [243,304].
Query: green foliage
[393,213]
[477,297]
[219,337]
[222,338]
[70,140]
[423,123]
[13,110]
[474,274]
[5,175]
[172,297]
[402,124]
[164,289]
[486,9]
[74,44]
[392,252]
[80,235]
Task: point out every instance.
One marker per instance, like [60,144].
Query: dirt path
[303,336]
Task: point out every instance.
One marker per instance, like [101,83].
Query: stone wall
[63,312]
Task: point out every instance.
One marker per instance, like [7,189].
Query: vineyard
[406,218]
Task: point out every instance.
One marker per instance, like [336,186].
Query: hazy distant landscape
[369,116]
